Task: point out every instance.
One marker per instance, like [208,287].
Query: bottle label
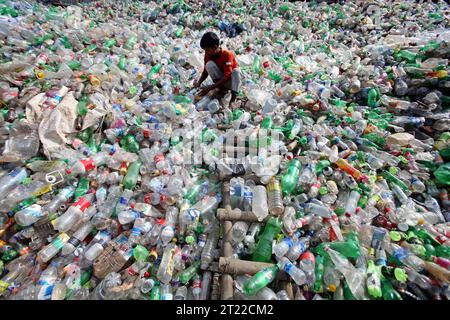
[301,246]
[82,204]
[88,164]
[192,214]
[16,172]
[74,241]
[288,241]
[60,240]
[167,296]
[33,211]
[288,266]
[274,186]
[136,231]
[123,201]
[46,292]
[158,158]
[248,195]
[66,193]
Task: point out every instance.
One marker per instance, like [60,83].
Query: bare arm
[219,83]
[202,77]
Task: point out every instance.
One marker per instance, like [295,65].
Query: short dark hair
[209,40]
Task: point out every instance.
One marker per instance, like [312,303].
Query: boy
[221,66]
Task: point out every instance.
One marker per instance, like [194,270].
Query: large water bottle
[11,180]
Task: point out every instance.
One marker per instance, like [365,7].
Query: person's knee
[210,65]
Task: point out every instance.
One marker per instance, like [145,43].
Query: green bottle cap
[395,236]
[323,190]
[339,211]
[393,170]
[190,239]
[400,275]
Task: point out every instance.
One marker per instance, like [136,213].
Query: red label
[82,204]
[332,235]
[158,158]
[307,255]
[441,239]
[303,222]
[88,164]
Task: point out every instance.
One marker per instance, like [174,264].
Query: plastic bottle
[67,220]
[260,280]
[295,273]
[274,197]
[260,204]
[263,249]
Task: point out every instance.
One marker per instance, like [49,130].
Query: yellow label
[43,190]
[441,74]
[3,285]
[274,185]
[170,264]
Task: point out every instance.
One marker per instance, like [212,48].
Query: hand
[205,90]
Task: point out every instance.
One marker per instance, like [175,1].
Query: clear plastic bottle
[11,180]
[259,205]
[68,219]
[296,274]
[275,199]
[29,215]
[77,238]
[238,231]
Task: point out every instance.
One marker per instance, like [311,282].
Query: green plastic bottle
[260,280]
[179,32]
[442,251]
[129,143]
[275,76]
[187,274]
[373,280]
[372,98]
[348,295]
[74,64]
[322,164]
[389,293]
[82,188]
[153,71]
[319,268]
[110,43]
[82,105]
[442,174]
[9,255]
[155,294]
[131,42]
[130,180]
[257,65]
[407,55]
[348,248]
[393,179]
[267,123]
[263,249]
[25,204]
[122,62]
[192,194]
[140,253]
[290,179]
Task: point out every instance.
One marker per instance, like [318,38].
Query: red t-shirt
[225,61]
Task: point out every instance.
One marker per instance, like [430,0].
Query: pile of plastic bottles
[99,201]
